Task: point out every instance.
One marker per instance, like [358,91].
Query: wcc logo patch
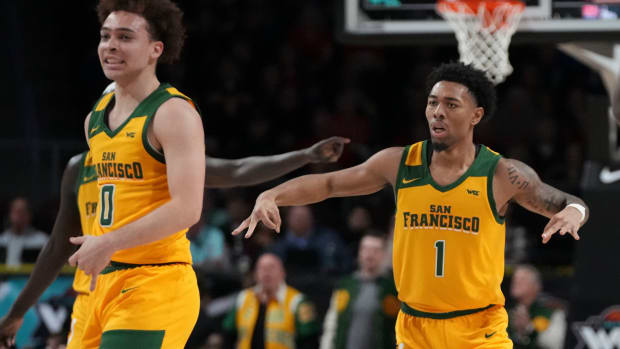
[473,192]
[599,331]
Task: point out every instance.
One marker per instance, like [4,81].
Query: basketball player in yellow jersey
[451,197]
[147,144]
[80,174]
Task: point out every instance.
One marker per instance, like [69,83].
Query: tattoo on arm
[513,177]
[547,202]
[531,193]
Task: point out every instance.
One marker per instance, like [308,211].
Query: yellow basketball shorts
[79,315]
[150,307]
[483,329]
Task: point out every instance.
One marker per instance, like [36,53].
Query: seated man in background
[530,318]
[20,242]
[364,306]
[271,314]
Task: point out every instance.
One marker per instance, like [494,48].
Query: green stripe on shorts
[132,339]
[440,316]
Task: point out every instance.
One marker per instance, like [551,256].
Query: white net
[484,33]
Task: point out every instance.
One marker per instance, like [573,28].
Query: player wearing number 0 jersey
[78,211]
[152,286]
[132,177]
[451,195]
[147,144]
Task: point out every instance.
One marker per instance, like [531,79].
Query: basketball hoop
[483,29]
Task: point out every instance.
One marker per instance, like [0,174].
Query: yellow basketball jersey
[448,240]
[132,177]
[87,192]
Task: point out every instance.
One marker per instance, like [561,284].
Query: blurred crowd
[270,77]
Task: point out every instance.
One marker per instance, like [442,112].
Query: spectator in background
[308,248]
[530,317]
[271,314]
[20,242]
[208,246]
[313,256]
[364,306]
[359,223]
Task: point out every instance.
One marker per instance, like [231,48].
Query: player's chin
[114,73]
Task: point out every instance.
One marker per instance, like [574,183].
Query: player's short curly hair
[480,87]
[164,18]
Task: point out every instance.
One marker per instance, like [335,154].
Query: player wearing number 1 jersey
[451,195]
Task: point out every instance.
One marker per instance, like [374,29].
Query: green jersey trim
[132,339]
[440,316]
[155,103]
[491,198]
[86,174]
[444,188]
[80,174]
[117,266]
[140,110]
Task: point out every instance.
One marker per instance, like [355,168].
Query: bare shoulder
[86,122]
[385,158]
[75,161]
[389,154]
[176,117]
[71,173]
[177,108]
[176,123]
[385,162]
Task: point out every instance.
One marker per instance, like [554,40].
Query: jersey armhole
[490,196]
[156,154]
[401,169]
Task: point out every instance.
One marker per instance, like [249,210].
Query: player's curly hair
[164,18]
[480,87]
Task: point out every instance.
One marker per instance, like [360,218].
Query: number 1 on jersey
[440,254]
[107,205]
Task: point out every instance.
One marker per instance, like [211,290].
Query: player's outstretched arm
[367,178]
[177,127]
[51,258]
[225,173]
[516,181]
[615,101]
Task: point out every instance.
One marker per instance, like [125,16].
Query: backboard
[416,21]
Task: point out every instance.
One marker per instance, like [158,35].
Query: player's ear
[157,49]
[478,115]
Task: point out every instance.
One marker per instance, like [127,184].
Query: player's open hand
[327,150]
[266,211]
[93,255]
[8,329]
[566,221]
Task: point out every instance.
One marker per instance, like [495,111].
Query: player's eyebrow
[454,99]
[119,29]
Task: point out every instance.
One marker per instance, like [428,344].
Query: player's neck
[460,155]
[134,90]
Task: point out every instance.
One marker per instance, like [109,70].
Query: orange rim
[472,7]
